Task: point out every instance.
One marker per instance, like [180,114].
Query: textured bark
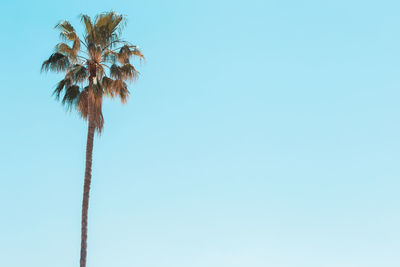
[88,180]
[86,193]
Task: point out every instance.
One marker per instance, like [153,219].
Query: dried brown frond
[83,104]
[77,73]
[71,96]
[57,62]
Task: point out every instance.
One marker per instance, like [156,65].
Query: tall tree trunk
[88,180]
[86,192]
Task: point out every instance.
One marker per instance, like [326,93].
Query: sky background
[260,134]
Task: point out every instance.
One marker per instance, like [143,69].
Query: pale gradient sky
[260,134]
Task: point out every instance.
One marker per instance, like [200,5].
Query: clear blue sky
[260,134]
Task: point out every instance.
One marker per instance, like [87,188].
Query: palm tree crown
[100,68]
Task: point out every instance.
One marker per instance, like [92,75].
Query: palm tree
[95,66]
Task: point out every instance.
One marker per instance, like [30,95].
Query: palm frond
[122,89]
[136,52]
[96,103]
[71,52]
[95,95]
[124,72]
[77,73]
[97,90]
[76,46]
[57,62]
[89,28]
[115,72]
[100,70]
[98,115]
[108,87]
[127,51]
[108,27]
[115,88]
[83,103]
[110,56]
[129,72]
[67,31]
[110,21]
[65,25]
[71,92]
[71,96]
[95,52]
[59,88]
